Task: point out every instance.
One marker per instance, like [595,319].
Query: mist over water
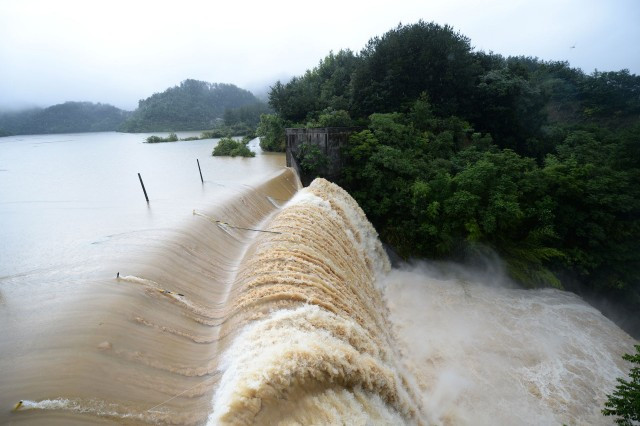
[485,352]
[287,312]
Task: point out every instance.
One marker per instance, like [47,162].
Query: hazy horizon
[118,52]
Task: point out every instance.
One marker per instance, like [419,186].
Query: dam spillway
[277,307]
[317,347]
[255,321]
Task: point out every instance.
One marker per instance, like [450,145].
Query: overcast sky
[118,52]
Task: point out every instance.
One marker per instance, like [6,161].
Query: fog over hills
[119,52]
[191,105]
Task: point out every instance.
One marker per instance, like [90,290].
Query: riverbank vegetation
[230,147]
[465,152]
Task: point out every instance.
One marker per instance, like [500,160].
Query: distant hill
[69,117]
[193,105]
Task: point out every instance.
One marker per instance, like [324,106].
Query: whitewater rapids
[315,345]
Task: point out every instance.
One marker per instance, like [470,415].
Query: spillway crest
[311,339]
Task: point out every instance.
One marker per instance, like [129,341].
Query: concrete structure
[330,140]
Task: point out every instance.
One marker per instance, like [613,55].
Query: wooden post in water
[143,189]
[200,170]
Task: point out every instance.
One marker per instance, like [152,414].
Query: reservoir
[61,193]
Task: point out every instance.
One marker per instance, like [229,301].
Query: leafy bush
[311,159]
[230,147]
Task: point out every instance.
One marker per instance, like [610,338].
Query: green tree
[409,60]
[326,86]
[614,93]
[332,118]
[272,133]
[512,109]
[311,159]
[624,402]
[597,217]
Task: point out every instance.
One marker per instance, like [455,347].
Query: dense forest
[69,117]
[464,152]
[192,105]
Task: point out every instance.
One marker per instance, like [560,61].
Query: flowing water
[484,353]
[247,300]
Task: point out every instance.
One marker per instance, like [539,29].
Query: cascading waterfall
[313,342]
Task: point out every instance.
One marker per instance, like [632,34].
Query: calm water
[62,194]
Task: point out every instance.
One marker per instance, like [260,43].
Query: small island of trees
[171,138]
[228,146]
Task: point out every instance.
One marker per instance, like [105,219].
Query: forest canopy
[466,151]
